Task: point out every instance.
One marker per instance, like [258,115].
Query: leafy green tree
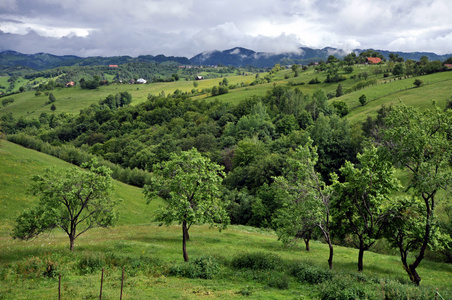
[419,142]
[399,69]
[363,99]
[340,107]
[359,204]
[74,200]
[51,98]
[417,82]
[305,199]
[53,107]
[191,184]
[339,91]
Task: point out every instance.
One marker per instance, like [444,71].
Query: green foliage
[341,108]
[205,267]
[7,101]
[74,200]
[417,82]
[35,267]
[346,288]
[256,261]
[420,143]
[191,183]
[88,264]
[361,199]
[306,273]
[363,99]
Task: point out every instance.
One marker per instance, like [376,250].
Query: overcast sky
[188,27]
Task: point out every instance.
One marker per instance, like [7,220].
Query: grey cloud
[188,27]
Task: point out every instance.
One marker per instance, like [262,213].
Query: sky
[189,27]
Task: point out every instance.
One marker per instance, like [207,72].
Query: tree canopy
[74,200]
[191,184]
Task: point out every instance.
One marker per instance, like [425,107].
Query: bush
[202,267]
[346,288]
[256,261]
[310,274]
[89,264]
[278,280]
[35,267]
[394,290]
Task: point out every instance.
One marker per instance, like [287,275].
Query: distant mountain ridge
[237,56]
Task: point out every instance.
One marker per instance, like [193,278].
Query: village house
[373,60]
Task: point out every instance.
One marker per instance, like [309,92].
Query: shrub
[256,261]
[311,274]
[35,267]
[89,264]
[278,280]
[394,290]
[346,288]
[202,267]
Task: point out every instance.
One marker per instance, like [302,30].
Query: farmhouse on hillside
[141,81]
[373,60]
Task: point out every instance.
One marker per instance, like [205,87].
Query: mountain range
[232,57]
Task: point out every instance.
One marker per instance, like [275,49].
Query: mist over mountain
[237,57]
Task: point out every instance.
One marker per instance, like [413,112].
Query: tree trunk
[330,258]
[184,239]
[71,242]
[414,276]
[361,256]
[307,238]
[306,242]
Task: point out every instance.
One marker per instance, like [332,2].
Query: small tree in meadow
[417,82]
[192,185]
[74,200]
[363,99]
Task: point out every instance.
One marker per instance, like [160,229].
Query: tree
[53,107]
[74,200]
[399,69]
[305,198]
[339,91]
[417,82]
[359,205]
[419,142]
[51,98]
[363,99]
[191,184]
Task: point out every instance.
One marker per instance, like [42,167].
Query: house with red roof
[373,60]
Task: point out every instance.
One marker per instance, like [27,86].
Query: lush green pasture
[436,87]
[18,164]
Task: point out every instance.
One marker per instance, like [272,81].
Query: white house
[141,81]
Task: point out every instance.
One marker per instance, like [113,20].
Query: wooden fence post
[122,282]
[101,283]
[59,287]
